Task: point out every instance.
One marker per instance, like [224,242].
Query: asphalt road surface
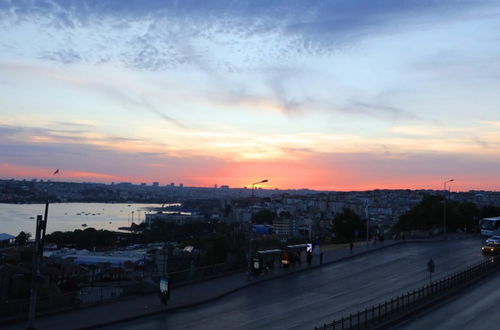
[311,298]
[475,309]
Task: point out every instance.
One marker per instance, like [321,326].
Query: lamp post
[253,186]
[250,231]
[367,224]
[444,206]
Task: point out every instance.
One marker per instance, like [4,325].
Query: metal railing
[94,293]
[186,276]
[376,314]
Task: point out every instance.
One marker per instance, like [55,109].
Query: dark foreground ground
[475,309]
[308,299]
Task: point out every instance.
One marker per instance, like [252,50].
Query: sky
[326,95]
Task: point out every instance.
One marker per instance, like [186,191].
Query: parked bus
[292,254]
[265,260]
[490,226]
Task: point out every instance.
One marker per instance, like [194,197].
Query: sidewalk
[186,296]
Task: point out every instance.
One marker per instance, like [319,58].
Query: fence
[202,273]
[97,293]
[389,309]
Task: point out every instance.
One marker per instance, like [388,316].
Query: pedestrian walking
[351,246]
[309,258]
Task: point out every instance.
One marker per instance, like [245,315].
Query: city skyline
[340,95]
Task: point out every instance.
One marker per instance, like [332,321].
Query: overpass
[297,301]
[306,299]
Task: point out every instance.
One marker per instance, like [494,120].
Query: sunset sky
[327,95]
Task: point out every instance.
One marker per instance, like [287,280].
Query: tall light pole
[253,186]
[250,230]
[444,206]
[367,224]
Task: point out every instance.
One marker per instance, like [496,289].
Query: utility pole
[444,206]
[367,224]
[41,226]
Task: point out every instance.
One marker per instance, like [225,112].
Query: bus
[490,226]
[265,260]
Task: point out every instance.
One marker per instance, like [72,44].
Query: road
[311,298]
[476,309]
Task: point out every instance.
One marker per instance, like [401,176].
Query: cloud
[243,53]
[318,167]
[65,56]
[156,35]
[380,110]
[79,124]
[126,93]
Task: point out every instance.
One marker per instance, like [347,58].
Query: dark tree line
[429,213]
[347,224]
[89,238]
[218,241]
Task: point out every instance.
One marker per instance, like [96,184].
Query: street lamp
[250,231]
[253,185]
[444,206]
[367,224]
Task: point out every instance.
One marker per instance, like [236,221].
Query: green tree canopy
[346,223]
[83,239]
[429,213]
[22,238]
[263,216]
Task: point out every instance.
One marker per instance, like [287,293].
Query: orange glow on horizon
[280,176]
[31,172]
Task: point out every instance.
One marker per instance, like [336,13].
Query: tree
[22,238]
[263,216]
[346,223]
[424,215]
[217,250]
[285,215]
[86,239]
[489,211]
[429,213]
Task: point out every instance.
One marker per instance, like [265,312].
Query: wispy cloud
[166,33]
[161,85]
[125,93]
[380,110]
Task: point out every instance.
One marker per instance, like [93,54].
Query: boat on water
[84,225]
